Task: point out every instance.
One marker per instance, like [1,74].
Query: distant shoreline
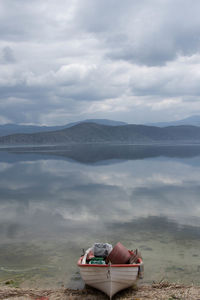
[92,153]
[114,144]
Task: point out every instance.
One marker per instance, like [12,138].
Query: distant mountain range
[7,129]
[97,133]
[193,120]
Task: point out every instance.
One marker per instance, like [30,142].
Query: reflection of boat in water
[108,277]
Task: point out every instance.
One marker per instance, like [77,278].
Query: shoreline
[156,291]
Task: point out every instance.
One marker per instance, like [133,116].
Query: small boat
[110,278]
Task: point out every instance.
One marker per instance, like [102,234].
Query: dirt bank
[162,291]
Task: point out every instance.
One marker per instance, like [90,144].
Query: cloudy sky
[67,60]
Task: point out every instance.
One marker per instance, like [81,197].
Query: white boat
[110,278]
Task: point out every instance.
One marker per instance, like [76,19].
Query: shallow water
[54,202]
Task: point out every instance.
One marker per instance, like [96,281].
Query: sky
[68,60]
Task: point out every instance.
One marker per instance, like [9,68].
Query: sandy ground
[162,291]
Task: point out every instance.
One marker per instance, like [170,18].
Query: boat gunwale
[110,265]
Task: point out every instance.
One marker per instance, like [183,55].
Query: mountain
[96,133]
[192,120]
[98,121]
[7,129]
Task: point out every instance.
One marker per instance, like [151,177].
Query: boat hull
[110,279]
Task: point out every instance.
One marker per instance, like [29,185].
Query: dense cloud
[136,61]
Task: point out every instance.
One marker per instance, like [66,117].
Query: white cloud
[134,61]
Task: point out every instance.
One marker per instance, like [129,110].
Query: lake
[54,201]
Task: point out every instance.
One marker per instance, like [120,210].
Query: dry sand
[161,291]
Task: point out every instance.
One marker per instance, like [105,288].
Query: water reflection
[98,153]
[50,208]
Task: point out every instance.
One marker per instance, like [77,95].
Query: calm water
[56,201]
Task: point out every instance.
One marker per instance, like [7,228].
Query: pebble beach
[160,291]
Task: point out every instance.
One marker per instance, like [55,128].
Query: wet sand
[161,291]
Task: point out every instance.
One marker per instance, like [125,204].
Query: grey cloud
[110,14]
[24,93]
[177,79]
[149,32]
[22,21]
[17,20]
[7,55]
[148,54]
[58,61]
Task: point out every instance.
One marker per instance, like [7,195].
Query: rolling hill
[7,129]
[96,133]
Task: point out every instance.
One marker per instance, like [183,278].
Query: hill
[7,129]
[96,133]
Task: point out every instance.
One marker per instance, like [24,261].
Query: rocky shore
[161,291]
